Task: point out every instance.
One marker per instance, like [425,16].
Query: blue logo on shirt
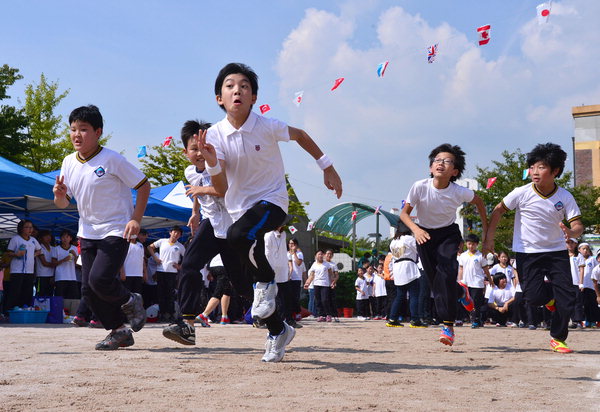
[100,171]
[559,205]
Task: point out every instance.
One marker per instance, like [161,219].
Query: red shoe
[466,300]
[560,346]
[551,306]
[447,336]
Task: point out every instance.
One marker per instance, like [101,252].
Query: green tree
[587,198]
[48,146]
[166,165]
[13,140]
[296,208]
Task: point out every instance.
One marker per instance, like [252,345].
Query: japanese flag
[292,229]
[298,98]
[310,226]
[484,34]
[543,12]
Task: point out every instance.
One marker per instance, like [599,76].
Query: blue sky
[150,65]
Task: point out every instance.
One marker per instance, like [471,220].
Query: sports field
[353,365]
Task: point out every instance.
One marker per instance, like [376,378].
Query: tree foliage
[165,165]
[509,175]
[296,208]
[13,140]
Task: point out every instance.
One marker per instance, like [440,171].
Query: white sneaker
[361,318]
[275,345]
[263,304]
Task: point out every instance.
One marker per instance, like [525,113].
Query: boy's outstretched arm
[330,176]
[214,166]
[421,236]
[490,233]
[478,202]
[132,228]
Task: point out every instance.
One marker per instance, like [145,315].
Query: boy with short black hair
[101,180]
[539,238]
[438,237]
[472,271]
[170,254]
[244,161]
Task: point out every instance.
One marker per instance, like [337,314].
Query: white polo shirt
[537,218]
[42,271]
[66,270]
[499,296]
[169,253]
[588,266]
[508,271]
[101,185]
[213,207]
[134,262]
[321,273]
[254,166]
[436,208]
[25,263]
[297,271]
[276,253]
[473,264]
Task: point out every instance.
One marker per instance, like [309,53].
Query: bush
[345,295]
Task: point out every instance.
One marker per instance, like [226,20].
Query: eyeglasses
[444,161]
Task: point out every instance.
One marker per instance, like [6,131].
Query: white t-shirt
[404,271]
[253,162]
[473,264]
[213,207]
[332,266]
[102,185]
[362,287]
[595,274]
[508,271]
[65,270]
[134,262]
[588,266]
[42,271]
[321,273]
[537,218]
[25,263]
[297,271]
[379,284]
[169,254]
[574,261]
[436,208]
[499,296]
[276,253]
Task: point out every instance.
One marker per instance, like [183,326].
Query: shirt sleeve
[511,200]
[62,174]
[212,137]
[279,130]
[128,173]
[466,194]
[413,195]
[572,211]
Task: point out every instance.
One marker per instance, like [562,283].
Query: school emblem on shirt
[559,205]
[100,171]
[257,147]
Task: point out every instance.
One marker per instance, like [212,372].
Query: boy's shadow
[386,367]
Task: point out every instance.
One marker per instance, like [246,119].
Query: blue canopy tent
[28,195]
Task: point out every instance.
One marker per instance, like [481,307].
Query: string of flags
[381,68]
[167,141]
[431,53]
[141,152]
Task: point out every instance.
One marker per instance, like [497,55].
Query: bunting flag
[337,83]
[543,12]
[491,182]
[310,226]
[264,108]
[298,98]
[525,174]
[403,204]
[377,210]
[167,141]
[141,152]
[381,68]
[292,229]
[330,221]
[354,214]
[484,34]
[431,53]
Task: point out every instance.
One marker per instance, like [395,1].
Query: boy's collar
[90,157]
[246,127]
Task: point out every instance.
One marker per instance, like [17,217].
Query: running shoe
[466,300]
[180,332]
[447,336]
[135,312]
[532,327]
[95,324]
[328,318]
[263,304]
[417,324]
[336,319]
[225,320]
[560,346]
[203,321]
[78,321]
[475,325]
[275,345]
[321,319]
[551,306]
[115,340]
[458,323]
[394,324]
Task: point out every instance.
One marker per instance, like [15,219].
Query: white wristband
[324,162]
[214,170]
[581,285]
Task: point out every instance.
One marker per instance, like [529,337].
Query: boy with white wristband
[243,158]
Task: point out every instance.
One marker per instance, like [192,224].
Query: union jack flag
[431,53]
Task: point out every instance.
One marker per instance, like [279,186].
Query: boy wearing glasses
[438,237]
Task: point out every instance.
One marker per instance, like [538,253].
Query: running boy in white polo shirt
[438,237]
[539,238]
[101,181]
[244,161]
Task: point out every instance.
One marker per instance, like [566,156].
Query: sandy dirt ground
[352,365]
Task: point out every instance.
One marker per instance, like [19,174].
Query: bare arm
[133,226]
[309,280]
[460,273]
[60,192]
[478,202]
[218,180]
[575,230]
[421,236]
[488,244]
[330,176]
[486,270]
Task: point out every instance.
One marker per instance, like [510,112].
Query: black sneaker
[180,332]
[135,312]
[116,340]
[417,324]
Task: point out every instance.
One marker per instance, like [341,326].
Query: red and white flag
[167,141]
[484,34]
[310,226]
[491,182]
[264,108]
[337,83]
[298,98]
[543,12]
[354,214]
[292,229]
